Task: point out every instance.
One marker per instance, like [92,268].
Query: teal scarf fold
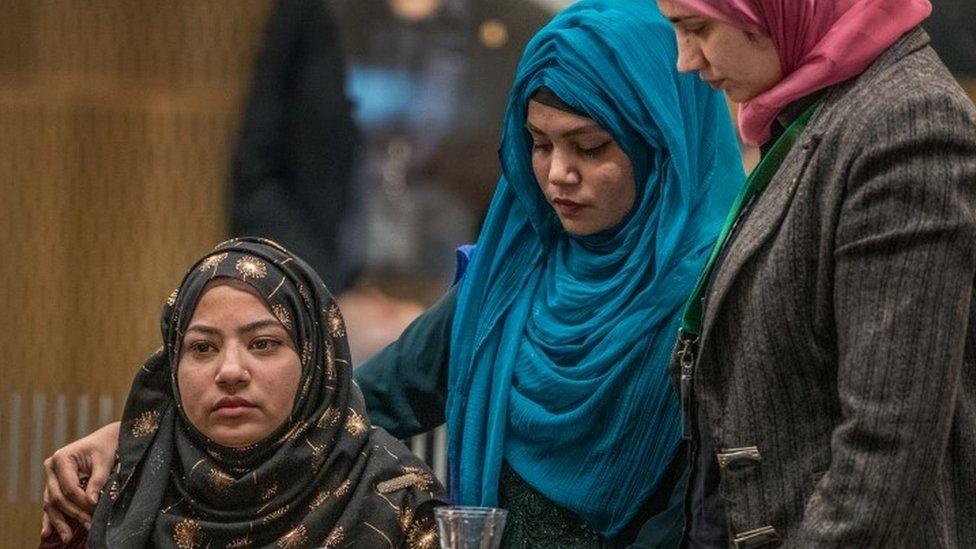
[560,343]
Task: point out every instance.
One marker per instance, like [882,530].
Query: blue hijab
[560,343]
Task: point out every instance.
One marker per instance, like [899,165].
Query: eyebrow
[587,128]
[684,18]
[249,327]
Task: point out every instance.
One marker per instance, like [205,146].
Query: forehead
[552,120]
[675,11]
[227,295]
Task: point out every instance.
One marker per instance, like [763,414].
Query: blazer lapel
[760,224]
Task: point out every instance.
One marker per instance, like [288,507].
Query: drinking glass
[463,527]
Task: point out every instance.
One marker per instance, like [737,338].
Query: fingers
[45,526]
[53,519]
[99,475]
[63,491]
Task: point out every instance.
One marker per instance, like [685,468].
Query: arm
[65,495]
[903,286]
[405,384]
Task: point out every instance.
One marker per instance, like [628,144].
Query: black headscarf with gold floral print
[325,478]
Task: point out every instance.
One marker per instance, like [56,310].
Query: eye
[538,146]
[593,150]
[697,29]
[265,344]
[201,347]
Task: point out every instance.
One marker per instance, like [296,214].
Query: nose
[562,169]
[689,55]
[232,371]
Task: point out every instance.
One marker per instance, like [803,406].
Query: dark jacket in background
[294,156]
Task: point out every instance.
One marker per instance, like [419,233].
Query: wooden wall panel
[116,118]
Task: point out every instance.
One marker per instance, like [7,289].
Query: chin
[576,230]
[737,95]
[235,440]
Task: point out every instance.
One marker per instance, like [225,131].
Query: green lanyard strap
[757,181]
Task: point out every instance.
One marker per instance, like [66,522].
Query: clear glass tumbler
[463,527]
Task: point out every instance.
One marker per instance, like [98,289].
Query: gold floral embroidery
[218,480]
[146,424]
[282,314]
[113,490]
[240,543]
[335,537]
[306,352]
[239,449]
[343,488]
[356,424]
[324,495]
[186,534]
[171,300]
[330,417]
[330,372]
[318,455]
[211,262]
[270,492]
[297,431]
[319,499]
[306,295]
[405,480]
[251,267]
[337,327]
[226,242]
[423,535]
[424,479]
[294,539]
[277,514]
[405,517]
[272,243]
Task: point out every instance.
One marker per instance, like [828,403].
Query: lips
[566,207]
[232,406]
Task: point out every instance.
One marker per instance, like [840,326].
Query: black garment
[404,386]
[535,521]
[324,477]
[293,161]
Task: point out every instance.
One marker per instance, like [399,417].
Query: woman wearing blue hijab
[548,360]
[562,331]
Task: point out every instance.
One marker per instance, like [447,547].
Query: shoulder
[906,89]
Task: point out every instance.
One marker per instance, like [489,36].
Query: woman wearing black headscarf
[245,429]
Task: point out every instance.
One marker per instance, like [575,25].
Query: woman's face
[238,372]
[728,58]
[584,175]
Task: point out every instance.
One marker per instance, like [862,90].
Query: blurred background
[136,134]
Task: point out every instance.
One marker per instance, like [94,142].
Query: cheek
[618,187]
[540,169]
[626,192]
[282,382]
[192,383]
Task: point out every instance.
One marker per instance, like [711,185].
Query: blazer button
[733,457]
[760,537]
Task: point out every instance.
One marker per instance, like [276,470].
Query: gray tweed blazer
[837,362]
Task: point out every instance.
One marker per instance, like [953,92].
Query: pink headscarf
[820,43]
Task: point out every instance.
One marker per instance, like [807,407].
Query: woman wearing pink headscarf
[827,360]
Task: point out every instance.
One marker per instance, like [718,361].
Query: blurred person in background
[828,354]
[293,163]
[382,218]
[548,360]
[409,61]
